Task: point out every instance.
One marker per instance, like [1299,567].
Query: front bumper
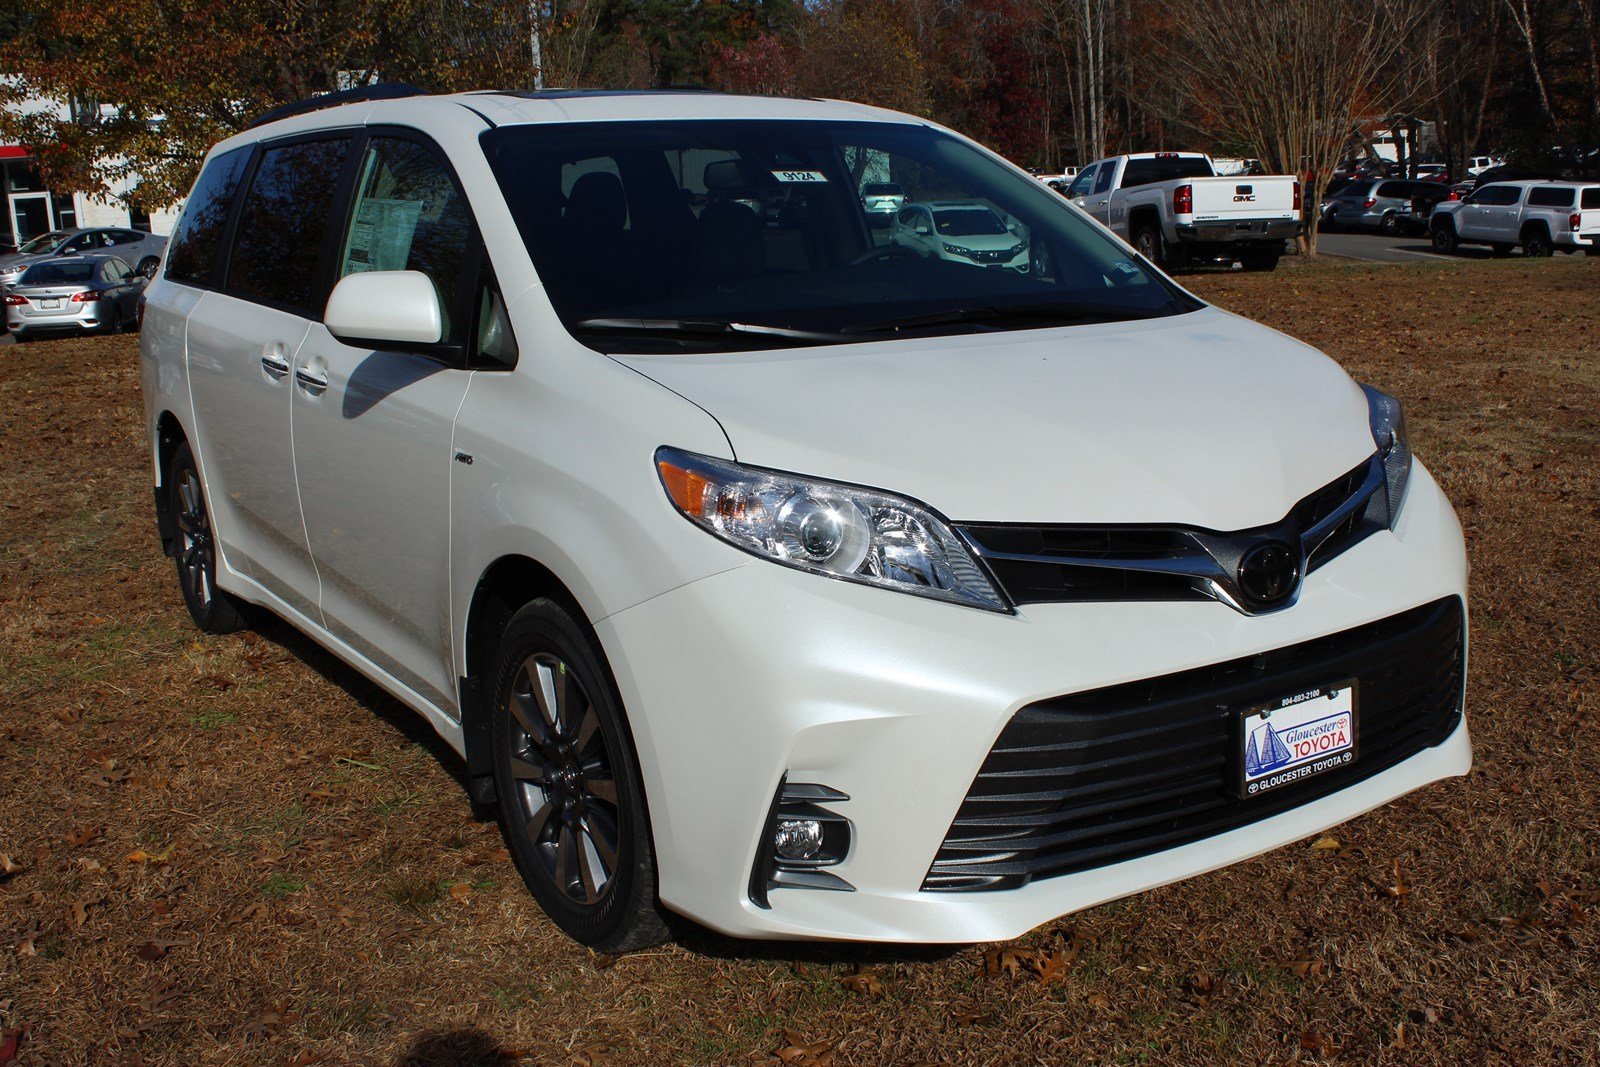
[1240,230]
[738,679]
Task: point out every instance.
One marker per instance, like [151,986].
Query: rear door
[242,340]
[373,429]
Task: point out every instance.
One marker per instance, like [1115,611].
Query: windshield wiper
[711,329]
[1046,314]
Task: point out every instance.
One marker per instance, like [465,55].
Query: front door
[30,216]
[373,430]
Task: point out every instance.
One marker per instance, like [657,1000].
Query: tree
[1290,78]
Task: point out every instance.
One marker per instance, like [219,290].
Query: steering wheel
[878,252]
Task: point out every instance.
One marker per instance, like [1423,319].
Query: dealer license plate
[1296,737]
[50,305]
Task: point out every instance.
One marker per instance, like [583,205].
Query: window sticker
[800,176]
[380,236]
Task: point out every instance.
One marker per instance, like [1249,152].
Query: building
[28,207]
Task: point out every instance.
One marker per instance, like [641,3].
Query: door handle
[275,365]
[315,384]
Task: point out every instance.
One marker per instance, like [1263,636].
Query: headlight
[836,530]
[957,250]
[1394,447]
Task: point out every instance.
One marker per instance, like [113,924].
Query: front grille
[1075,563]
[1096,778]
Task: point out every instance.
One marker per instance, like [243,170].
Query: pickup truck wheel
[1147,239]
[571,799]
[194,549]
[1535,242]
[1444,239]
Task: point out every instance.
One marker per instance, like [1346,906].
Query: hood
[1203,419]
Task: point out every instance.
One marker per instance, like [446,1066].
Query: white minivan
[768,572]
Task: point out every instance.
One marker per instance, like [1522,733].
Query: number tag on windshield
[799,176]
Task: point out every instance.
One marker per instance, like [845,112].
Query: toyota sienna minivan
[766,571]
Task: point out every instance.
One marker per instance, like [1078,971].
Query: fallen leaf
[254,913]
[11,1043]
[87,835]
[1305,968]
[28,946]
[1099,1001]
[591,1056]
[8,867]
[1399,1036]
[1326,844]
[804,1053]
[1053,965]
[964,1013]
[1201,987]
[319,794]
[461,891]
[151,951]
[78,912]
[1320,1043]
[270,1022]
[1400,889]
[864,983]
[1009,960]
[139,855]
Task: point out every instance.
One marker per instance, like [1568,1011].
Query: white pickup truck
[1173,208]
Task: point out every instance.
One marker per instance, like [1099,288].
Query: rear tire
[1444,239]
[1147,239]
[571,797]
[194,549]
[1389,225]
[1536,243]
[147,266]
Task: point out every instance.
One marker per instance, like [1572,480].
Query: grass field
[236,851]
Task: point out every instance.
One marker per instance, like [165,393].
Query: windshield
[968,222]
[56,273]
[42,243]
[758,223]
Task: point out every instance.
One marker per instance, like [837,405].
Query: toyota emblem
[1267,573]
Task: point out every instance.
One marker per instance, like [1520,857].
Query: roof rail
[380,91]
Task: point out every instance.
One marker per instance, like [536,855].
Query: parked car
[1432,172]
[960,231]
[1172,207]
[1429,194]
[882,202]
[135,247]
[802,585]
[1476,165]
[1541,216]
[74,295]
[1379,204]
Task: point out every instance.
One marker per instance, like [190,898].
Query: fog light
[797,839]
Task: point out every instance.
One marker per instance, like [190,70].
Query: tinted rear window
[1550,197]
[283,221]
[1356,189]
[1150,171]
[881,189]
[58,273]
[199,234]
[1591,199]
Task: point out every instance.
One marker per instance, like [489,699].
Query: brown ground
[234,850]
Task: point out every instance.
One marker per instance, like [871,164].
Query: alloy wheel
[565,783]
[196,552]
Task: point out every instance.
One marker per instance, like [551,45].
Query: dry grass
[236,851]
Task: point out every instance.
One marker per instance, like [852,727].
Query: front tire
[571,798]
[194,549]
[1444,239]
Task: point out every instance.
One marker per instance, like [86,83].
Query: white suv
[1541,216]
[767,574]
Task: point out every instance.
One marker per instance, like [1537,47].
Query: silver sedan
[138,249]
[74,295]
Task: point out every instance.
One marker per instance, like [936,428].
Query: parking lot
[235,850]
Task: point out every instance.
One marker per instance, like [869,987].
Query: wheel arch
[508,584]
[1536,226]
[169,434]
[1139,216]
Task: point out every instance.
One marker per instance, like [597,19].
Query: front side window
[408,215]
[707,225]
[1103,182]
[198,237]
[283,221]
[1083,182]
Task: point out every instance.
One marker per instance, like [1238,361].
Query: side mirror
[921,229]
[385,309]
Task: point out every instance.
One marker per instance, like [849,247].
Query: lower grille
[1096,778]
